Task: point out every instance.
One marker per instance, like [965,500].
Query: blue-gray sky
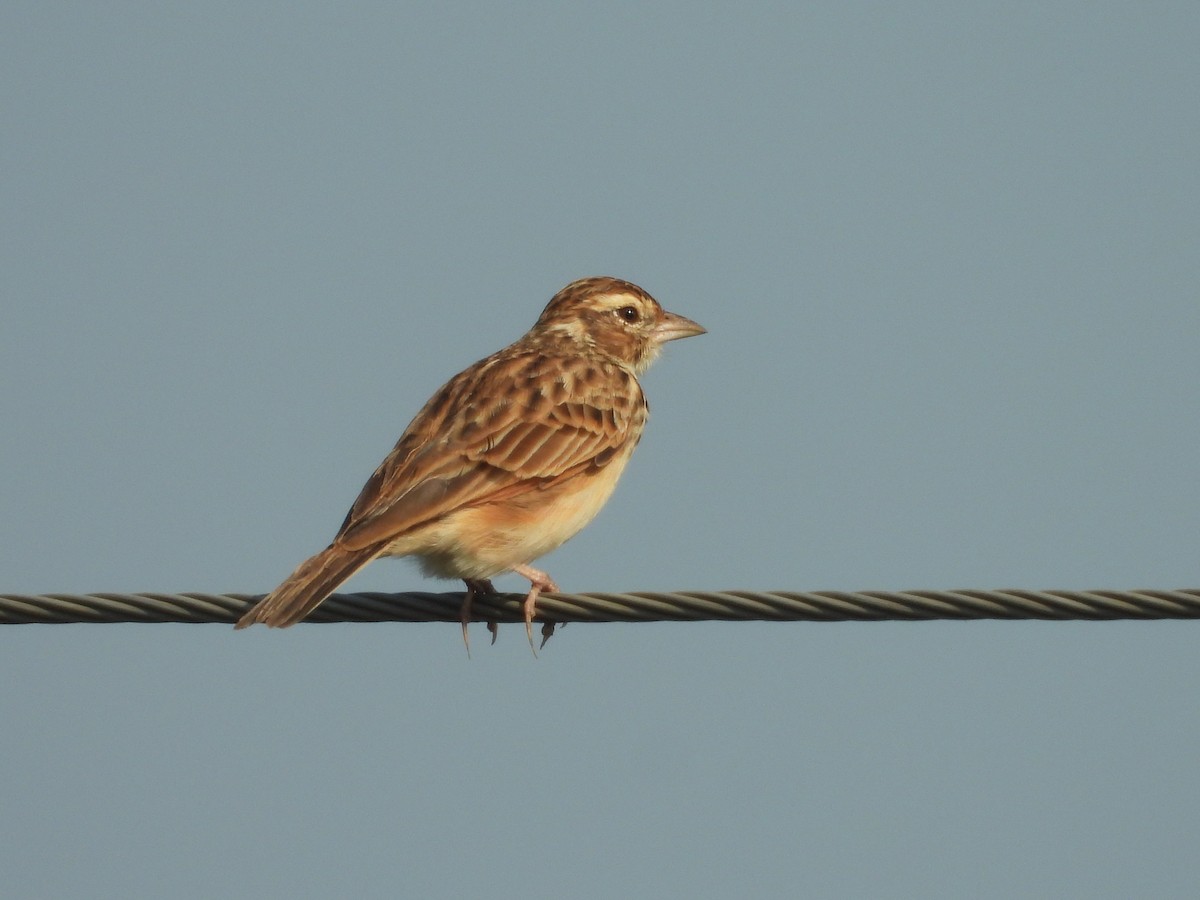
[949,259]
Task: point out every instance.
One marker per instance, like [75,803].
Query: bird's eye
[628,313]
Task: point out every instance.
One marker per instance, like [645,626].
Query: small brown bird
[508,460]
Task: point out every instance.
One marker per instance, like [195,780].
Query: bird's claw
[474,588]
[539,582]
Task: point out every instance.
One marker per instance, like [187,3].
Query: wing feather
[492,433]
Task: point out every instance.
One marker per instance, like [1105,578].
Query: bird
[508,460]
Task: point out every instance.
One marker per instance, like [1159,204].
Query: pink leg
[474,588]
[538,581]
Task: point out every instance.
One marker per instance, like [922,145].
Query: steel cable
[638,606]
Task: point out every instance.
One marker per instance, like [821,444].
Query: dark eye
[629,313]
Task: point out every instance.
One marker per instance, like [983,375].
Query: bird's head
[611,318]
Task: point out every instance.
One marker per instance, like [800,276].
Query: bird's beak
[673,327]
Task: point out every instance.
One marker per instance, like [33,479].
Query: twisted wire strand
[639,606]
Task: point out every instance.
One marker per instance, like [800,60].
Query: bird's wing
[511,423]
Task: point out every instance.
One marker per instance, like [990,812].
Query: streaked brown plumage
[509,459]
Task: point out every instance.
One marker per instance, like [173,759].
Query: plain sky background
[949,258]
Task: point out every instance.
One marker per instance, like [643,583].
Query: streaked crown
[612,318]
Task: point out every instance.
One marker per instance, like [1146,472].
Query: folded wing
[506,425]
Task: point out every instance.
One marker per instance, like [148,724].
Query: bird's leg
[538,581]
[474,586]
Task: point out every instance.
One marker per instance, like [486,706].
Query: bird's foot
[475,587]
[538,581]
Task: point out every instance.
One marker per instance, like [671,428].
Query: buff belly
[482,541]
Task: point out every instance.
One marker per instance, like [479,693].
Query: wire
[639,606]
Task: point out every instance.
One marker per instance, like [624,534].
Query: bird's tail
[304,590]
